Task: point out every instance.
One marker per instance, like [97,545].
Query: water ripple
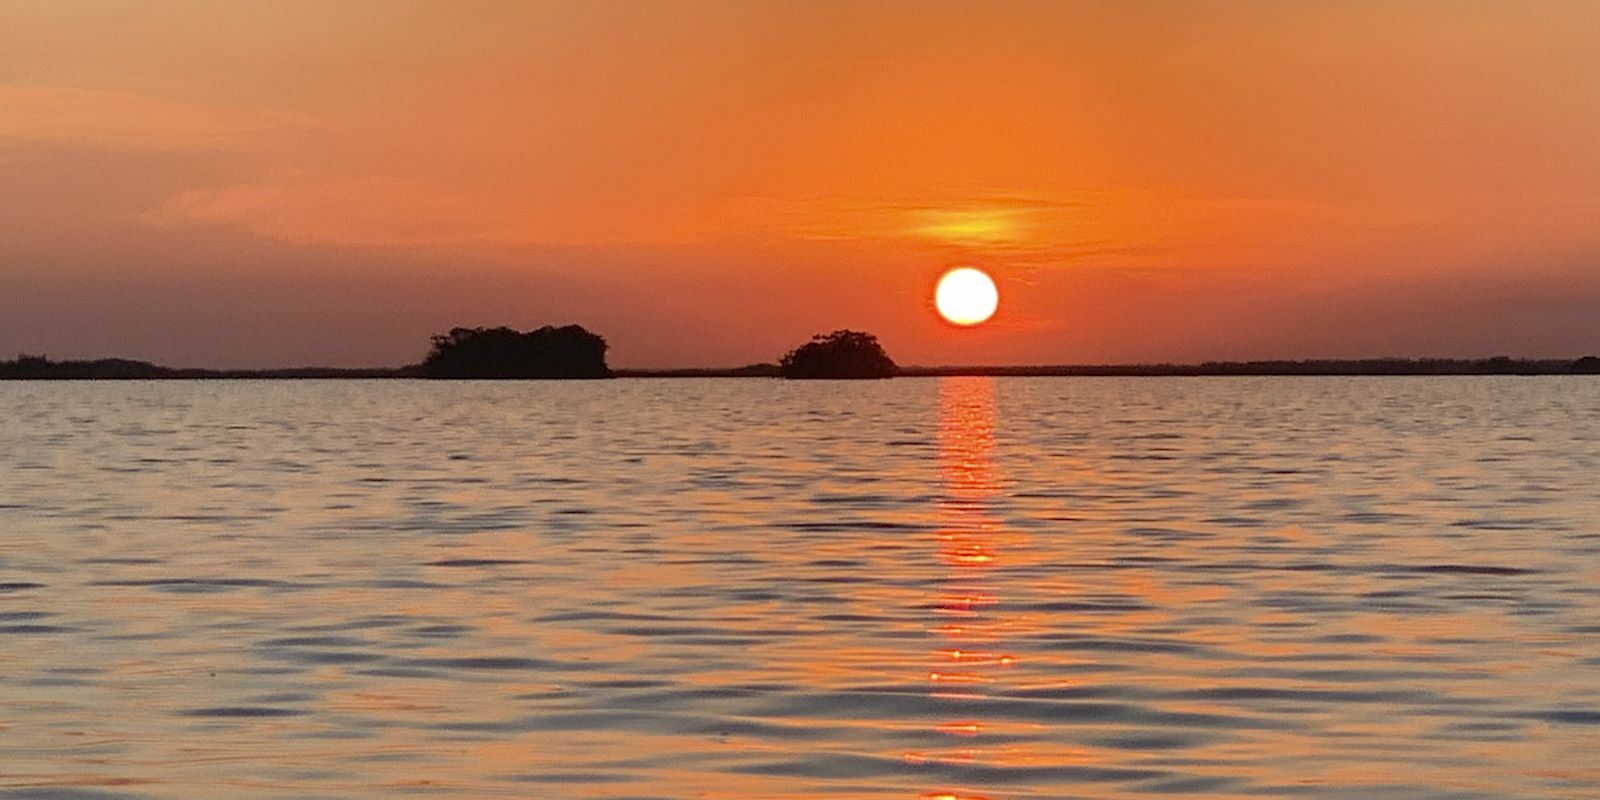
[954,589]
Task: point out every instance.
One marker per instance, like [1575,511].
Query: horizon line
[118,367]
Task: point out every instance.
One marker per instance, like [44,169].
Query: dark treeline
[548,352]
[41,368]
[747,371]
[1499,365]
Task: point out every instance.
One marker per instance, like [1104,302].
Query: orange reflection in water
[971,655]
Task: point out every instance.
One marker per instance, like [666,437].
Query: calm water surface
[921,588]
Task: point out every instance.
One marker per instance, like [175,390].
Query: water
[922,588]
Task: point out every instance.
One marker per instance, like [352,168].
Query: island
[568,352]
[843,354]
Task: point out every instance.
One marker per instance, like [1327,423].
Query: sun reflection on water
[969,659]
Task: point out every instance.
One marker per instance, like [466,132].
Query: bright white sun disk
[966,296]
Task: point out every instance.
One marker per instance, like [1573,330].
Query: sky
[329,182]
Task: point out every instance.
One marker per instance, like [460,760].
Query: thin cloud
[371,210]
[70,114]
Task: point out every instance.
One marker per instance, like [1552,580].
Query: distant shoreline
[123,369]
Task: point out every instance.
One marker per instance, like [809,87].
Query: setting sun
[966,296]
[683,449]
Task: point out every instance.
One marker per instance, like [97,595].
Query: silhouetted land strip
[1500,365]
[39,368]
[748,371]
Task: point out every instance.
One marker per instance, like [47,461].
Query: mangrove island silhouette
[548,352]
[842,354]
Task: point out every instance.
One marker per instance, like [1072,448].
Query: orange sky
[709,183]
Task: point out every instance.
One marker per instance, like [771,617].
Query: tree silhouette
[841,354]
[549,352]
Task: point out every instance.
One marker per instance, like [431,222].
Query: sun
[966,296]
